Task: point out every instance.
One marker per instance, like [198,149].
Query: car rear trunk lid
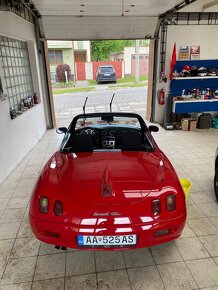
[108,178]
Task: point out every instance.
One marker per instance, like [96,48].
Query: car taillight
[155,206]
[171,202]
[43,204]
[58,208]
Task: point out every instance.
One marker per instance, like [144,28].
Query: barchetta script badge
[114,213]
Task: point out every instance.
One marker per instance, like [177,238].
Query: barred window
[14,59]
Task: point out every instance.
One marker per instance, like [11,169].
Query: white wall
[86,45]
[128,51]
[204,35]
[89,70]
[59,44]
[18,136]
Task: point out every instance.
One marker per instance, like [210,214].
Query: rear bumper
[106,79]
[66,235]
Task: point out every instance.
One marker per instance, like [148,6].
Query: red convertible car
[108,187]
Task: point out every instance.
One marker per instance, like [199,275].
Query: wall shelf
[178,84]
[195,106]
[195,78]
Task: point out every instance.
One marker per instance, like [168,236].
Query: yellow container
[186,185]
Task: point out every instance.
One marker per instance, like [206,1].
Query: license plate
[127,240]
[107,75]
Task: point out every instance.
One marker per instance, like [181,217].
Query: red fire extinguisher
[161,97]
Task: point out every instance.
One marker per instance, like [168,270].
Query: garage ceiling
[202,6]
[94,19]
[104,7]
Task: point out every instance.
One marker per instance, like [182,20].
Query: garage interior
[190,262]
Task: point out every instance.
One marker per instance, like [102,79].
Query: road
[129,100]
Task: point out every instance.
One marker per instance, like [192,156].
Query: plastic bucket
[186,185]
[214,123]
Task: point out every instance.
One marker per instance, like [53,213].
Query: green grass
[71,90]
[128,83]
[92,82]
[141,84]
[63,85]
[129,79]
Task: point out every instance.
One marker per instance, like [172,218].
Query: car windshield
[106,69]
[107,120]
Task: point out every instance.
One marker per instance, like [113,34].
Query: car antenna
[84,106]
[111,102]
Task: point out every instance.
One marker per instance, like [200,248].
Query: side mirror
[61,130]
[153,128]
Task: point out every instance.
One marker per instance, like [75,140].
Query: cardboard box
[193,125]
[189,124]
[185,125]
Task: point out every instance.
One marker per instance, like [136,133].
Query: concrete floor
[190,262]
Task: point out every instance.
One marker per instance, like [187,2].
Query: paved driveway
[130,100]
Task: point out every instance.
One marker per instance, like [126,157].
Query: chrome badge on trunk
[114,213]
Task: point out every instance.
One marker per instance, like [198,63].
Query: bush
[60,72]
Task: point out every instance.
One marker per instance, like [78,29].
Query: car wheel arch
[216,180]
[216,163]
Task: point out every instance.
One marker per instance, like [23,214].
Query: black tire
[216,183]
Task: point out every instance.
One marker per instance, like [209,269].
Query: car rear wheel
[216,183]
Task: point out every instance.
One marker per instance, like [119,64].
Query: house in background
[82,51]
[67,52]
[77,54]
[128,56]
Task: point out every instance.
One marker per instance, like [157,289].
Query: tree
[101,49]
[60,72]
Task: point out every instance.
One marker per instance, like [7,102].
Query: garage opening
[98,70]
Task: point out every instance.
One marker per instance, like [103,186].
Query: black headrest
[82,143]
[131,139]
